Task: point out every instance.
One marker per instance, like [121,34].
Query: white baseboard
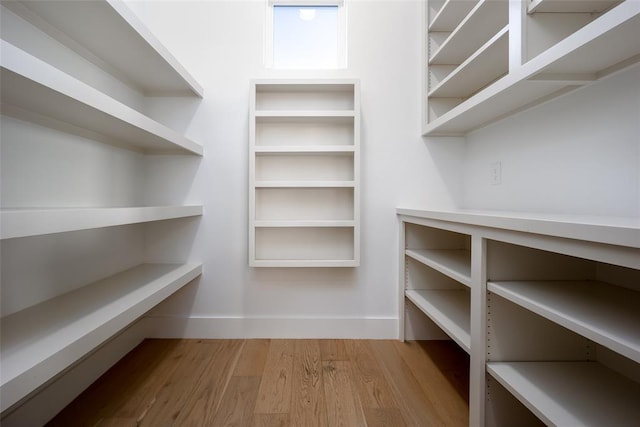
[242,327]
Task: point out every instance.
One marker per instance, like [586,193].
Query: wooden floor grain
[279,383]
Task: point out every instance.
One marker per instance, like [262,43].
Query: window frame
[342,31]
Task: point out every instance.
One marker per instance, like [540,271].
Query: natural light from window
[306,36]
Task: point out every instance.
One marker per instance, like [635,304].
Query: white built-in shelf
[35,222]
[450,14]
[306,263]
[279,114]
[302,149]
[482,23]
[43,340]
[623,231]
[571,393]
[304,223]
[606,314]
[304,184]
[455,263]
[111,32]
[570,6]
[449,309]
[596,50]
[304,173]
[487,64]
[34,89]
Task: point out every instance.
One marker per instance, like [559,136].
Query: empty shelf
[571,393]
[604,313]
[112,32]
[41,341]
[32,86]
[35,222]
[455,263]
[449,309]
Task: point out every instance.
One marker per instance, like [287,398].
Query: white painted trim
[271,327]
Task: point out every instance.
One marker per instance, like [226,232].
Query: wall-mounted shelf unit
[64,106]
[519,59]
[550,321]
[304,173]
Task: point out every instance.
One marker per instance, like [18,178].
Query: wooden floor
[279,383]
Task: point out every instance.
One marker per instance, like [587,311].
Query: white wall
[578,154]
[221,43]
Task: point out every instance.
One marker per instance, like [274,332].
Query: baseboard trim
[269,327]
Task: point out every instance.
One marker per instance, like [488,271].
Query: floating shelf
[455,263]
[449,309]
[571,393]
[113,33]
[35,222]
[603,313]
[33,87]
[43,340]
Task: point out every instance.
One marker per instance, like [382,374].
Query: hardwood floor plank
[333,349]
[236,408]
[193,383]
[175,390]
[252,358]
[343,407]
[414,405]
[370,382]
[207,395]
[120,391]
[308,406]
[438,384]
[271,420]
[384,417]
[274,396]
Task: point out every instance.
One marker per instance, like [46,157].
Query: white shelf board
[606,314]
[33,222]
[42,341]
[455,263]
[623,231]
[304,184]
[571,393]
[35,87]
[305,85]
[303,149]
[599,48]
[304,223]
[482,23]
[303,263]
[279,114]
[570,6]
[113,34]
[450,14]
[486,65]
[449,309]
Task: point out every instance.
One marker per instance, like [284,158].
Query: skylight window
[306,34]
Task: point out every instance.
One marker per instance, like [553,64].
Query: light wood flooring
[279,383]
